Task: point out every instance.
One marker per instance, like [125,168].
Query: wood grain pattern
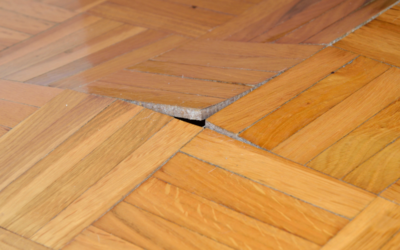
[46,129]
[362,143]
[115,185]
[232,7]
[383,35]
[391,16]
[392,244]
[249,77]
[11,241]
[276,172]
[370,229]
[392,193]
[94,238]
[9,37]
[351,113]
[250,198]
[210,219]
[348,23]
[152,232]
[27,93]
[74,5]
[267,98]
[121,62]
[22,23]
[3,130]
[12,113]
[312,103]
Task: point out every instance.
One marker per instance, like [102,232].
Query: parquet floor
[300,150]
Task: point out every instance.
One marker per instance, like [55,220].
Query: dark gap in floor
[194,122]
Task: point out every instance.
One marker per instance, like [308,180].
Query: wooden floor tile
[370,229]
[210,219]
[115,184]
[22,23]
[362,143]
[392,244]
[232,7]
[74,5]
[3,130]
[151,231]
[392,193]
[9,37]
[391,16]
[250,198]
[94,238]
[267,98]
[276,172]
[377,40]
[342,119]
[312,103]
[12,113]
[11,241]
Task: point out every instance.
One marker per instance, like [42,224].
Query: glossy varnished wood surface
[307,159]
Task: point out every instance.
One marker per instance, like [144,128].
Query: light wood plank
[3,130]
[309,105]
[22,23]
[341,119]
[227,61]
[46,129]
[121,62]
[91,46]
[27,93]
[117,183]
[267,98]
[56,181]
[74,5]
[370,229]
[278,173]
[9,37]
[11,241]
[392,244]
[94,238]
[233,7]
[37,10]
[377,40]
[98,58]
[392,193]
[348,23]
[391,16]
[152,232]
[250,77]
[12,113]
[250,198]
[210,219]
[362,143]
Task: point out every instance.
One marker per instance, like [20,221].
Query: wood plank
[46,129]
[391,16]
[175,84]
[227,61]
[210,219]
[91,46]
[233,7]
[249,77]
[384,36]
[66,43]
[298,51]
[121,62]
[276,172]
[379,171]
[22,23]
[48,37]
[362,143]
[267,98]
[392,193]
[94,238]
[146,95]
[12,113]
[251,199]
[321,22]
[308,14]
[37,10]
[370,229]
[392,244]
[27,93]
[11,241]
[9,37]
[3,130]
[116,184]
[74,5]
[309,105]
[55,182]
[348,23]
[352,112]
[99,57]
[152,232]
